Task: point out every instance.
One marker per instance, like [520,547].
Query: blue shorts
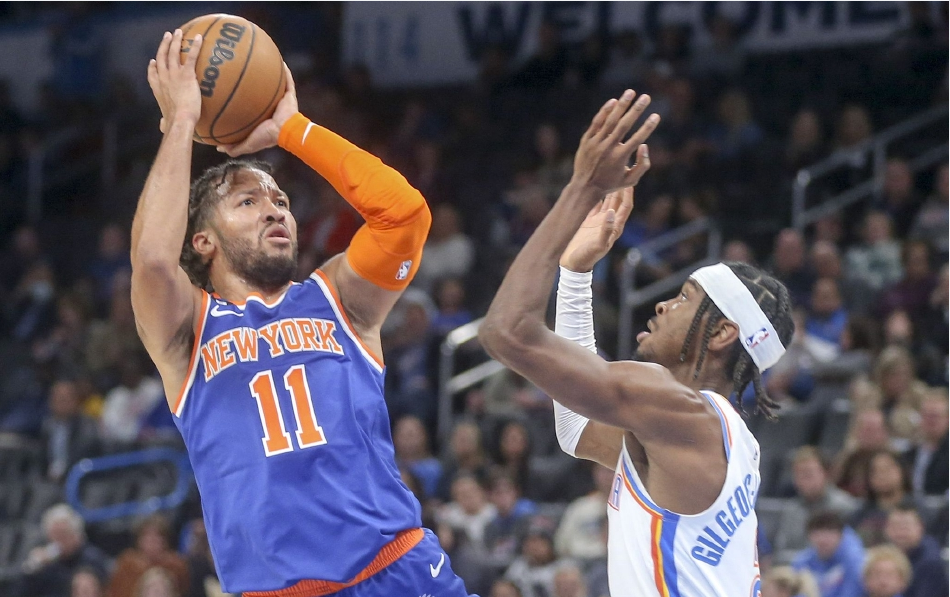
[425,571]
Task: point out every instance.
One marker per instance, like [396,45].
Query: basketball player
[277,386]
[681,518]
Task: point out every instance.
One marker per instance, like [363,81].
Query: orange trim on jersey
[346,319]
[656,534]
[193,361]
[390,552]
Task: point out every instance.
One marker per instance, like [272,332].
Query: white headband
[727,291]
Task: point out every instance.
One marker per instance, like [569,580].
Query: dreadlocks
[772,297]
[205,194]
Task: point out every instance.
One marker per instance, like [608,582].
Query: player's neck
[709,378]
[234,289]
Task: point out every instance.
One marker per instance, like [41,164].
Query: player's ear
[727,333]
[205,243]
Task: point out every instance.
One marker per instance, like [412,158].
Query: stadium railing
[875,150]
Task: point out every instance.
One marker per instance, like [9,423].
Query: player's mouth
[642,335]
[278,235]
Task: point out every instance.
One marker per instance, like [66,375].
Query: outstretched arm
[384,254]
[163,298]
[641,397]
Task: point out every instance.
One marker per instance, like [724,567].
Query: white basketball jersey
[652,552]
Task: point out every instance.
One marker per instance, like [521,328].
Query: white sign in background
[424,43]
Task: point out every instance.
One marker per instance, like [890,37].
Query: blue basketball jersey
[287,431]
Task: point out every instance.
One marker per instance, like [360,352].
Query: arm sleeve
[574,321]
[387,249]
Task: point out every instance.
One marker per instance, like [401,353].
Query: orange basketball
[240,73]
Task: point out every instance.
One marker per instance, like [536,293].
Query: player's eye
[247,201]
[282,203]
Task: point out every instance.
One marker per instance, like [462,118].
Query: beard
[256,267]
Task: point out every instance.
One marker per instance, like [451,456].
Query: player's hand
[602,157]
[599,232]
[266,133]
[174,84]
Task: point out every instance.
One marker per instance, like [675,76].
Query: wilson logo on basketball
[229,36]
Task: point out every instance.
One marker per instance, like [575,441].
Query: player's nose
[661,308]
[271,213]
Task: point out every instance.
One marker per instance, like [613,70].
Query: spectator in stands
[738,250]
[465,456]
[825,262]
[30,310]
[859,346]
[933,325]
[898,195]
[410,388]
[930,360]
[876,263]
[912,292]
[813,493]
[931,222]
[448,251]
[929,460]
[156,582]
[827,317]
[547,66]
[112,256]
[452,312]
[411,442]
[569,582]
[512,515]
[887,572]
[504,588]
[513,453]
[834,556]
[785,581]
[468,514]
[19,257]
[853,127]
[906,531]
[806,141]
[533,571]
[626,64]
[66,343]
[653,221]
[129,404]
[788,265]
[579,534]
[555,166]
[48,570]
[901,391]
[888,488]
[735,133]
[598,584]
[867,434]
[114,339]
[68,435]
[722,58]
[202,577]
[792,376]
[151,550]
[86,583]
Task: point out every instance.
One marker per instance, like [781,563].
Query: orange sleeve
[387,249]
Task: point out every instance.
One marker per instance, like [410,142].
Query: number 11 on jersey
[276,440]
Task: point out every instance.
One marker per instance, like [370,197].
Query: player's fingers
[643,133]
[613,200]
[152,75]
[598,122]
[291,87]
[595,210]
[630,117]
[619,109]
[161,57]
[174,51]
[607,230]
[626,205]
[191,54]
[634,174]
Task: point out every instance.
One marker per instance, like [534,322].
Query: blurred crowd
[870,289]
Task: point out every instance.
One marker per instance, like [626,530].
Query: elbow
[503,340]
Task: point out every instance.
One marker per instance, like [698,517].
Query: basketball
[240,74]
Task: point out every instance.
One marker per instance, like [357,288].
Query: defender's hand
[599,232]
[174,84]
[601,160]
[266,133]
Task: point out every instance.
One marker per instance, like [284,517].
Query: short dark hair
[825,520]
[203,197]
[773,298]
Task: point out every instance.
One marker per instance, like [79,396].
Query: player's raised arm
[162,296]
[384,254]
[635,396]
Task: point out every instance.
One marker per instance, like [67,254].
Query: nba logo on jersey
[403,272]
[614,500]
